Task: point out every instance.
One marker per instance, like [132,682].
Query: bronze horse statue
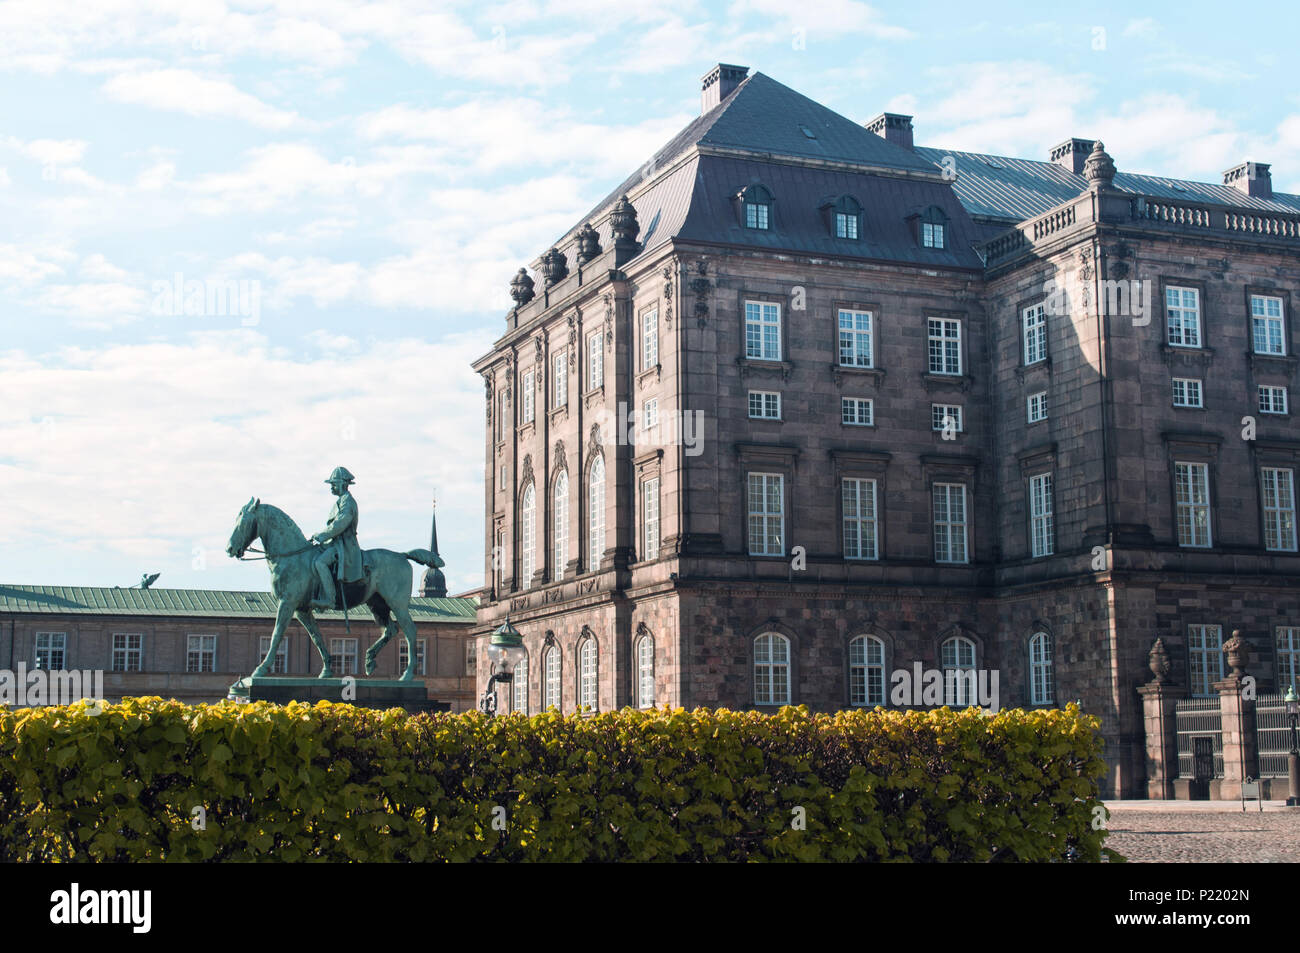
[386,589]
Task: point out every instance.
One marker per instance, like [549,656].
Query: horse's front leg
[308,621]
[282,617]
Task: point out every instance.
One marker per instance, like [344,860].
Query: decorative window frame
[853,464]
[792,664]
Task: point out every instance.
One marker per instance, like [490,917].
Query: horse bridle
[266,555]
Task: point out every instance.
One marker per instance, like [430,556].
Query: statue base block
[362,692]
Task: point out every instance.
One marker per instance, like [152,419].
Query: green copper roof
[93,600]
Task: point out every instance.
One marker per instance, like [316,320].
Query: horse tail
[424,557]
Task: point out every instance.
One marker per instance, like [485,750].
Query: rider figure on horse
[339,539]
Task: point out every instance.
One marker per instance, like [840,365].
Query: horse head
[245,529]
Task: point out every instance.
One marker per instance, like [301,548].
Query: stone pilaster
[1158,700]
[1237,724]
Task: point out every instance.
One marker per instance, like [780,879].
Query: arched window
[958,660]
[1042,682]
[757,204]
[866,671]
[645,672]
[847,217]
[519,687]
[551,682]
[596,505]
[934,228]
[560,525]
[528,537]
[588,656]
[771,669]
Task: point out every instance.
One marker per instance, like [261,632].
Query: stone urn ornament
[1158,661]
[1238,651]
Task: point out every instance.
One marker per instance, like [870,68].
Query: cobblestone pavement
[1187,837]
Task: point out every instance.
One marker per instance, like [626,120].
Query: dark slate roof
[92,600]
[799,223]
[1014,189]
[763,117]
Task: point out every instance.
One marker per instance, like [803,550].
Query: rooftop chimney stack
[894,128]
[1072,154]
[719,83]
[1253,178]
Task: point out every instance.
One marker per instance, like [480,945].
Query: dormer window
[848,217]
[758,207]
[934,228]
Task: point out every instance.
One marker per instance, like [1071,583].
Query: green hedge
[334,782]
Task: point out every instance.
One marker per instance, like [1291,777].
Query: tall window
[1042,528]
[1288,657]
[957,657]
[950,522]
[1034,326]
[1192,503]
[403,656]
[528,537]
[587,681]
[551,685]
[52,651]
[855,339]
[758,207]
[128,652]
[771,669]
[503,408]
[650,509]
[279,664]
[1187,392]
[945,345]
[1266,324]
[1042,682]
[866,671]
[526,397]
[1183,316]
[649,339]
[595,361]
[560,375]
[343,653]
[645,672]
[762,331]
[858,499]
[1279,509]
[560,526]
[519,687]
[596,516]
[766,514]
[1205,654]
[201,653]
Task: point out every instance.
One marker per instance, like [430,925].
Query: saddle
[353,592]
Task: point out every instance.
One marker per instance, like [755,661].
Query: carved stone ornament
[1158,662]
[521,288]
[588,244]
[526,472]
[623,224]
[609,322]
[593,441]
[668,295]
[700,286]
[561,459]
[573,340]
[555,267]
[1238,651]
[1099,169]
[487,394]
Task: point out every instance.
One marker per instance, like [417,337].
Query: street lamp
[505,651]
[1293,760]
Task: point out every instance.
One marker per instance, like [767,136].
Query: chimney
[1072,154]
[893,128]
[1253,178]
[719,83]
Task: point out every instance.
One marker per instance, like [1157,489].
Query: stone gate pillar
[1158,698]
[1237,720]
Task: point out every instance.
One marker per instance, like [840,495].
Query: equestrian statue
[304,574]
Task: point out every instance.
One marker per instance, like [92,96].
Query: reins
[266,555]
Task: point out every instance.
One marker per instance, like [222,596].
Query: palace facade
[801,404]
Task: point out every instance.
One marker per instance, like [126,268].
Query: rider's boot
[326,598]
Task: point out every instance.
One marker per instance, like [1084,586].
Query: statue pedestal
[362,692]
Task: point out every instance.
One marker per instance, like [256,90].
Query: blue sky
[373,174]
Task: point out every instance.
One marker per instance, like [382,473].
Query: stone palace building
[802,404]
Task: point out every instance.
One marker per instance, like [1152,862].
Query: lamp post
[505,650]
[1293,760]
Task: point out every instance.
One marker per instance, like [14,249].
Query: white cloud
[179,90]
[822,17]
[49,151]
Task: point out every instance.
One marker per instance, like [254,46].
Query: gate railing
[1198,719]
[1272,736]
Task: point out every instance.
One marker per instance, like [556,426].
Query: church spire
[435,583]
